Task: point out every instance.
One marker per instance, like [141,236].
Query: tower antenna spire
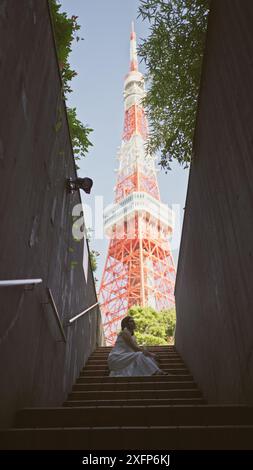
[133,50]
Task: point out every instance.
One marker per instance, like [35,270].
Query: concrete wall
[36,241]
[214,287]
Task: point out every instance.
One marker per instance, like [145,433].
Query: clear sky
[102,61]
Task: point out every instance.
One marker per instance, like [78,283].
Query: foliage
[152,327]
[65,30]
[93,253]
[173,54]
[79,134]
[93,259]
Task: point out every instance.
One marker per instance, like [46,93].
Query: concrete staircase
[157,412]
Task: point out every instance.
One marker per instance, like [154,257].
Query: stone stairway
[157,412]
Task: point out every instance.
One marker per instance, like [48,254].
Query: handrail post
[50,295]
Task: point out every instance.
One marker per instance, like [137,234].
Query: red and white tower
[139,268]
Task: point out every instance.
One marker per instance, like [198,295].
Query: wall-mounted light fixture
[79,183]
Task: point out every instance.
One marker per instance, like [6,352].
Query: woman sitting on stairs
[127,358]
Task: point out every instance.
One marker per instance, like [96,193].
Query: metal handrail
[71,320]
[51,298]
[19,282]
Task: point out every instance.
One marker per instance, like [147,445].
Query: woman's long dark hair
[125,322]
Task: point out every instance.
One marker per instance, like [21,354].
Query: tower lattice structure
[139,268]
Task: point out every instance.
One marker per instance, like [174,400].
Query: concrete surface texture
[214,295]
[36,240]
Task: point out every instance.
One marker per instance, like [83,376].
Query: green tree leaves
[152,327]
[93,259]
[79,134]
[173,56]
[65,30]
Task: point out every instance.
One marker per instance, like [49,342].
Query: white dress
[123,361]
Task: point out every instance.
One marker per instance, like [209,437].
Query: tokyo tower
[139,268]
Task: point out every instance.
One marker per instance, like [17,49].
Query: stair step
[103,365]
[162,355]
[136,402]
[99,372]
[159,359]
[162,362]
[133,386]
[162,351]
[163,359]
[163,347]
[142,394]
[152,415]
[91,367]
[153,437]
[144,378]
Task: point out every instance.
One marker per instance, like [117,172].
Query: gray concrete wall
[214,286]
[36,367]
